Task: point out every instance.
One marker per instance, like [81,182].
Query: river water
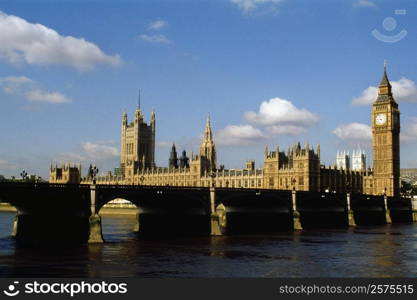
[380,251]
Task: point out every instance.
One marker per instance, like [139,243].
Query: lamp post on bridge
[387,210]
[350,213]
[94,172]
[213,176]
[293,182]
[23,174]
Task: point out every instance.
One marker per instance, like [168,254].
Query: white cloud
[99,151]
[157,25]
[28,88]
[163,144]
[15,79]
[70,157]
[364,3]
[367,97]
[239,135]
[410,131]
[281,117]
[42,96]
[89,152]
[404,90]
[248,6]
[155,38]
[22,41]
[275,117]
[5,165]
[286,130]
[354,132]
[12,84]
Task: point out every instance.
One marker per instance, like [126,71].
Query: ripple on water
[364,251]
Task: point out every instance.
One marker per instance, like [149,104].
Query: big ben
[386,141]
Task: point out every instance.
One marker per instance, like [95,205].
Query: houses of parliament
[296,168]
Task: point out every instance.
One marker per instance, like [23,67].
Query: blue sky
[270,72]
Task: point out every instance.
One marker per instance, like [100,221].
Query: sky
[269,72]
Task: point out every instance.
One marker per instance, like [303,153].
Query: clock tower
[386,141]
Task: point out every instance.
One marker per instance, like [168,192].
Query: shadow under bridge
[250,211]
[162,210]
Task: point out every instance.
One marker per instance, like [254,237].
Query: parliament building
[296,168]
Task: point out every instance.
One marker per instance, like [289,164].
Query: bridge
[70,213]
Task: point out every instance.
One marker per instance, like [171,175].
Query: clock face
[380,119]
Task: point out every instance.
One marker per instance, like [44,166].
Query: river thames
[377,251]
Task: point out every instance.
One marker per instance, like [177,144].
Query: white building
[343,160]
[358,160]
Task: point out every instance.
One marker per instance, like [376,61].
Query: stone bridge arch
[253,210]
[48,212]
[154,197]
[162,210]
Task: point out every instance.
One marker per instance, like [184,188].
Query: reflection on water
[382,251]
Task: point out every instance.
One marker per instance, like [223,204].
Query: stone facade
[386,141]
[343,160]
[137,144]
[67,173]
[298,168]
[358,160]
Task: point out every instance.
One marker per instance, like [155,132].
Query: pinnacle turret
[385,85]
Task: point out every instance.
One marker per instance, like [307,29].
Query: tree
[407,188]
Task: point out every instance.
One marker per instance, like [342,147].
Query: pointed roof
[138,100]
[385,80]
[208,135]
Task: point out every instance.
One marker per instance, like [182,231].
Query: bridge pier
[14,228]
[296,217]
[95,232]
[215,219]
[349,211]
[50,228]
[136,227]
[387,211]
[414,208]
